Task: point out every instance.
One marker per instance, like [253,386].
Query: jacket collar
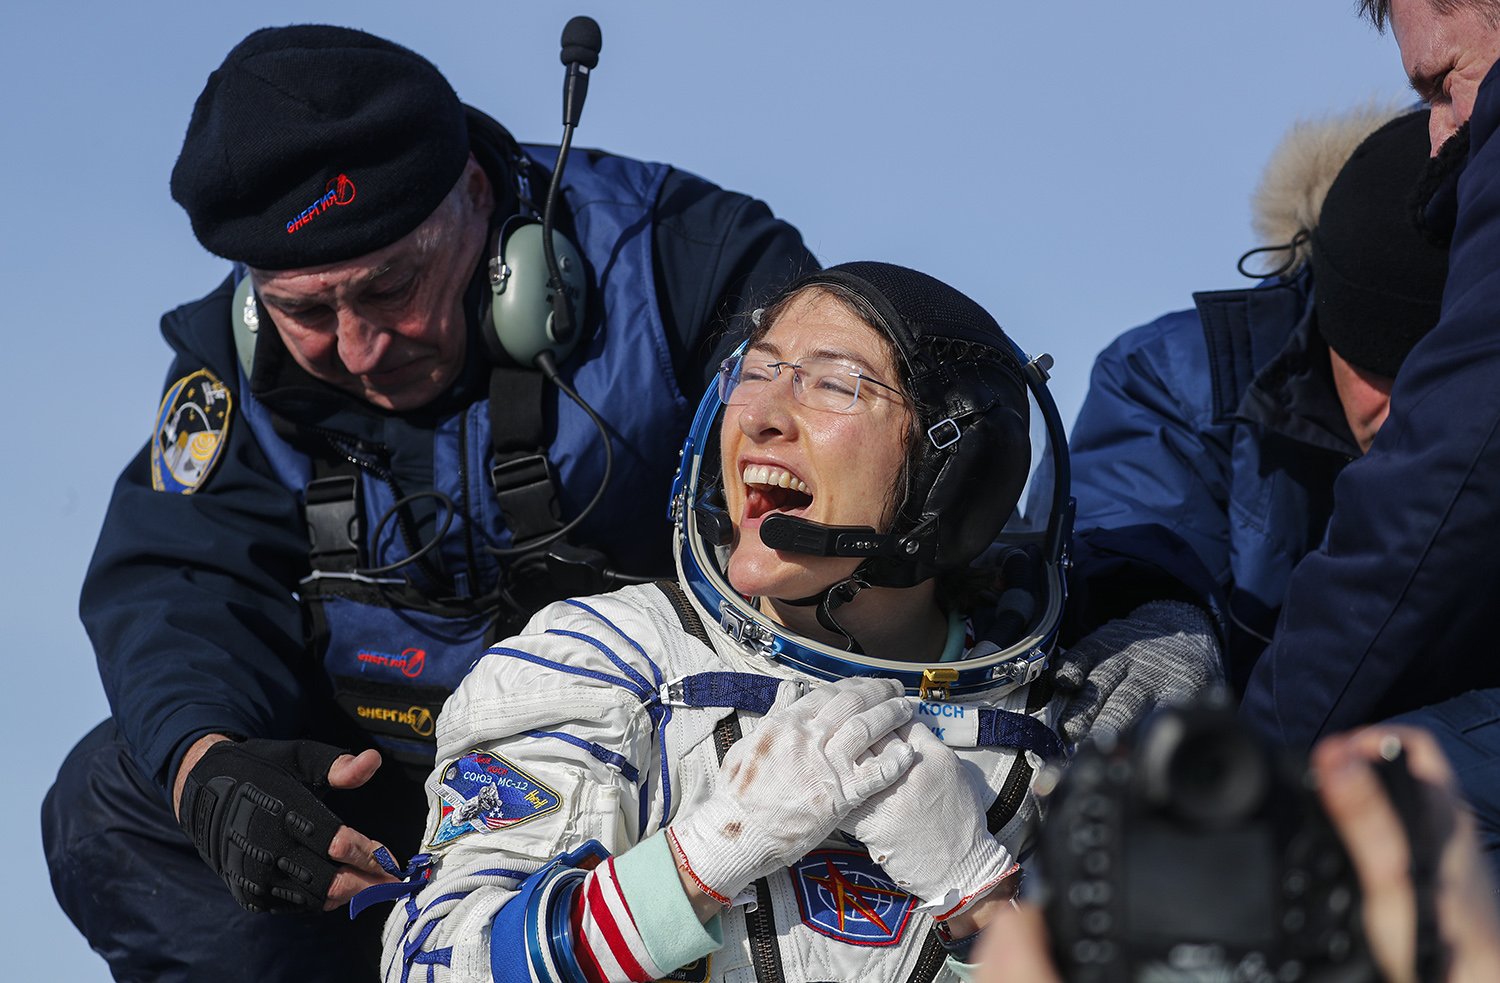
[1294,395]
[1266,374]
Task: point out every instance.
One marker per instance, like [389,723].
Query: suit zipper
[931,959]
[760,926]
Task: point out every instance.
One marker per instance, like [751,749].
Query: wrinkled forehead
[1434,40]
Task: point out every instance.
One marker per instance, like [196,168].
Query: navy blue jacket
[1395,611]
[191,599]
[1221,424]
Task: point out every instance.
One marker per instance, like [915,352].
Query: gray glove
[1163,654]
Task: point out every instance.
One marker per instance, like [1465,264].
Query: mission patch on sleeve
[481,792]
[191,431]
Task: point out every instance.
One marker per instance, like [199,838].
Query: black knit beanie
[1378,284]
[314,144]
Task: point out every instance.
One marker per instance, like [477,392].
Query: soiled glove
[784,788]
[1161,655]
[253,810]
[928,830]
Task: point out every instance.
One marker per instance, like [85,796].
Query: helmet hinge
[936,683]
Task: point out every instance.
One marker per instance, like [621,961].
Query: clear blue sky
[1078,168]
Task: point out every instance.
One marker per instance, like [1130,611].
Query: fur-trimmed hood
[1300,171]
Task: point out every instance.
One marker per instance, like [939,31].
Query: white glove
[928,830]
[1163,654]
[784,788]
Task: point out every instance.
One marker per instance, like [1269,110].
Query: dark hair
[1379,11]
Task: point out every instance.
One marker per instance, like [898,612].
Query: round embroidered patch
[191,431]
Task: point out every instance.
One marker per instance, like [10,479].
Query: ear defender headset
[538,283]
[538,287]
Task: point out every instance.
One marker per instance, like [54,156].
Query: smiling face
[1446,56]
[781,455]
[389,326]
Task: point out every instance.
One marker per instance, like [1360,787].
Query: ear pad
[521,294]
[972,484]
[244,320]
[976,490]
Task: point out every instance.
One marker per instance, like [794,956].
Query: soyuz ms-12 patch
[191,431]
[483,791]
[845,895]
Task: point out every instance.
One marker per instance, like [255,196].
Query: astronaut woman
[740,776]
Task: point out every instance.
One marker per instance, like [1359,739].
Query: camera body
[1192,853]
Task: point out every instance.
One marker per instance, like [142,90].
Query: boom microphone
[581,42]
[794,534]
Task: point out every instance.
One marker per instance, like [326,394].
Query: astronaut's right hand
[786,787]
[254,811]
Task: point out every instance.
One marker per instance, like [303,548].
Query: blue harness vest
[395,644]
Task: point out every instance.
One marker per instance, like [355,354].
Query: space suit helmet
[985,435]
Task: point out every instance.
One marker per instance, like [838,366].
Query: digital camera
[1191,853]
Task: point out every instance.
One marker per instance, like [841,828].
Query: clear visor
[1028,522]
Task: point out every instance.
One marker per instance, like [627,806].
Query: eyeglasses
[820,383]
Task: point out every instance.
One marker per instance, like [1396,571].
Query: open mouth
[772,489]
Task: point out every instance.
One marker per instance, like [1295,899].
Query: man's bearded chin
[1434,198]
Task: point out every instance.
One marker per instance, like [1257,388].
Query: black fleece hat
[314,144]
[1378,284]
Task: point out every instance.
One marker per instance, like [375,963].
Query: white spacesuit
[628,746]
[579,713]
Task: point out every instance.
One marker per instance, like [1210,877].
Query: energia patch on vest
[482,791]
[192,429]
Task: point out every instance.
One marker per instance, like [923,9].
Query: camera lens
[1201,767]
[1216,777]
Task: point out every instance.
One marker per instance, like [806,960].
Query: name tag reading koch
[955,724]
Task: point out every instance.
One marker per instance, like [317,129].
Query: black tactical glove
[253,810]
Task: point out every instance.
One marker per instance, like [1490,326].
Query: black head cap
[314,144]
[1377,282]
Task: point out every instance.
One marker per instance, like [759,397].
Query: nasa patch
[482,792]
[191,431]
[844,895]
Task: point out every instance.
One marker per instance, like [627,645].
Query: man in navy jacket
[320,536]
[1229,423]
[1394,614]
